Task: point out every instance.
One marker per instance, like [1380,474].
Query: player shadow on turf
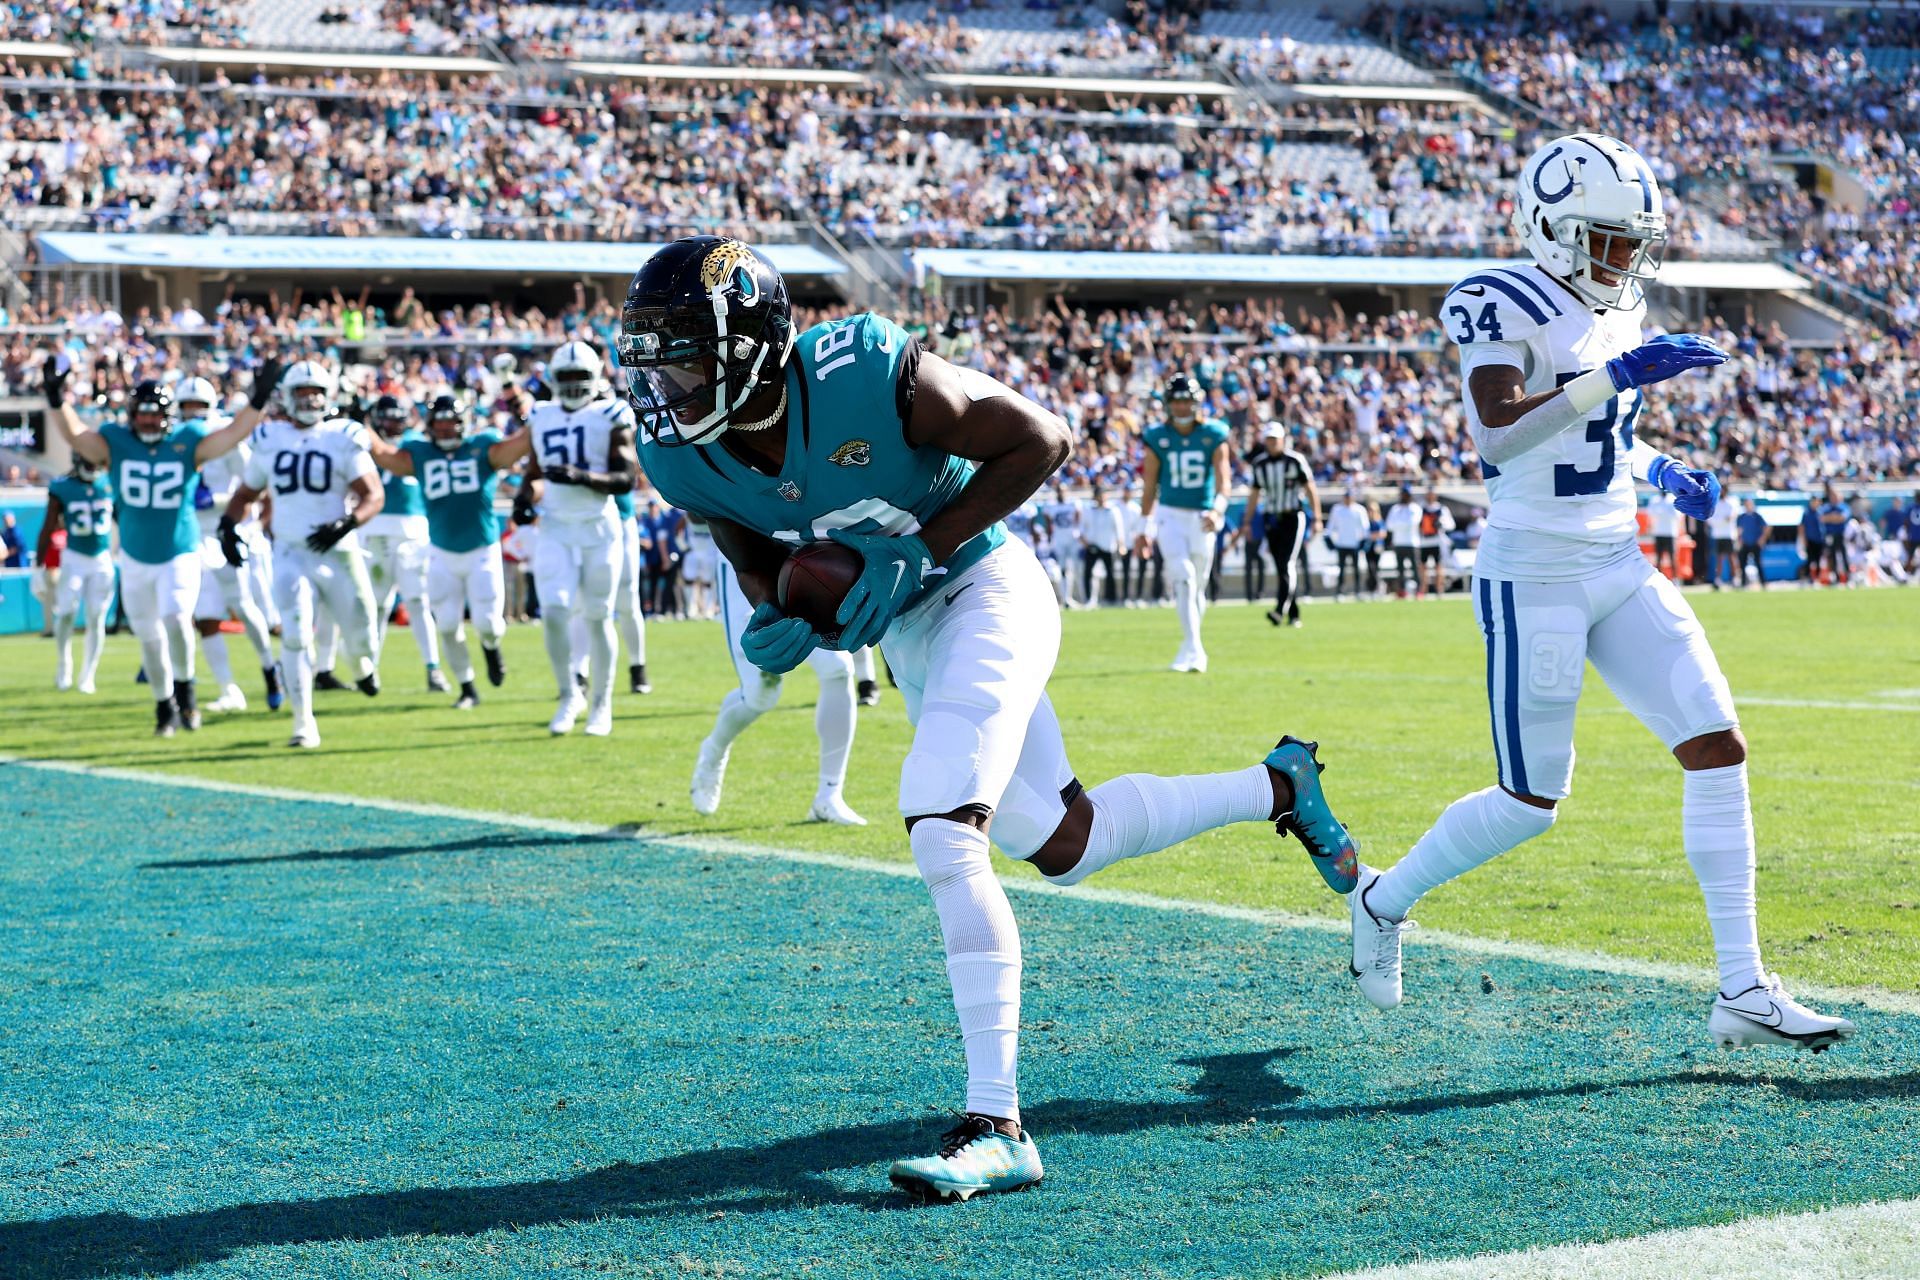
[491,842]
[789,1173]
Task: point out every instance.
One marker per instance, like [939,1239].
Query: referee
[1282,477]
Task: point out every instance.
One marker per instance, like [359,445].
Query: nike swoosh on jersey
[1479,291]
[955,593]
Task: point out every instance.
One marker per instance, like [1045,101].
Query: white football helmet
[574,370]
[1581,198]
[307,390]
[195,391]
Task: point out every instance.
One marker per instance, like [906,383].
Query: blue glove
[896,567]
[1663,358]
[776,643]
[1695,492]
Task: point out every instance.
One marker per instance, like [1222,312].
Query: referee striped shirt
[1281,478]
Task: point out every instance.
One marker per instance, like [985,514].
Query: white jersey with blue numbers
[306,471]
[576,438]
[1568,505]
[220,477]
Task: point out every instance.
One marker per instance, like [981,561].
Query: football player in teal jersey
[83,503]
[1187,474]
[153,462]
[396,545]
[459,475]
[852,432]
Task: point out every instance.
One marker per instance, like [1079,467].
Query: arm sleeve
[1642,458]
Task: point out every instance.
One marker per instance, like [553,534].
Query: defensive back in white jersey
[1576,485]
[222,476]
[307,471]
[576,438]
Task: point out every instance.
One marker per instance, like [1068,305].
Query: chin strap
[779,412]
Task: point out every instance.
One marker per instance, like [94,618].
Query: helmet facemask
[573,388]
[390,421]
[307,405]
[1613,264]
[446,427]
[150,414]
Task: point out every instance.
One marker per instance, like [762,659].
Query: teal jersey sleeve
[153,488]
[848,464]
[1186,463]
[404,497]
[457,487]
[86,509]
[623,504]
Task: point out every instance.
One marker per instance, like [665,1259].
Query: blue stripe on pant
[1503,699]
[1483,609]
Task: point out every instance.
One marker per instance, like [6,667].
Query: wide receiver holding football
[851,432]
[1553,362]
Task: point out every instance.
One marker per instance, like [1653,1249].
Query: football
[813,582]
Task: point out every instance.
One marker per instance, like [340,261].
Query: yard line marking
[1859,1242]
[1562,957]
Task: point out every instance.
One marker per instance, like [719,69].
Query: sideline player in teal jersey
[851,431]
[83,502]
[458,476]
[396,543]
[153,462]
[1187,474]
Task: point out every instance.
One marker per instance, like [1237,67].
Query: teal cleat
[1335,854]
[974,1159]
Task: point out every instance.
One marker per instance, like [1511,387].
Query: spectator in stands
[13,552]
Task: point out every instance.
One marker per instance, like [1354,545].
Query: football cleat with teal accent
[975,1159]
[1335,854]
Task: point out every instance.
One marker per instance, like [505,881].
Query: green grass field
[253,1034]
[1829,687]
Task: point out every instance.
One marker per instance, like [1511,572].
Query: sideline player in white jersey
[759,691]
[224,590]
[321,476]
[699,569]
[1553,360]
[153,461]
[582,455]
[397,545]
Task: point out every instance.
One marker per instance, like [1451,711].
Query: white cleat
[85,686]
[1376,946]
[1766,1014]
[230,699]
[1197,664]
[62,681]
[828,806]
[1182,663]
[600,722]
[709,773]
[570,708]
[305,736]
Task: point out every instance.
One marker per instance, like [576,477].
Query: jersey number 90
[293,472]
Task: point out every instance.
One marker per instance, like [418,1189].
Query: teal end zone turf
[253,1037]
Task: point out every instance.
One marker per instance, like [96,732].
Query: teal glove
[896,568]
[776,643]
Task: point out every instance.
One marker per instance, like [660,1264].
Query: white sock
[582,646]
[983,957]
[420,619]
[96,643]
[1186,599]
[833,722]
[1717,830]
[179,633]
[155,660]
[1472,830]
[63,646]
[326,640]
[459,659]
[863,663]
[633,635]
[558,630]
[1138,813]
[299,683]
[600,651]
[254,623]
[216,650]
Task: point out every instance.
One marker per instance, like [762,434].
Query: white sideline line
[1859,1242]
[1561,957]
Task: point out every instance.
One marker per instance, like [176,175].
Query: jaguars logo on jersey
[854,453]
